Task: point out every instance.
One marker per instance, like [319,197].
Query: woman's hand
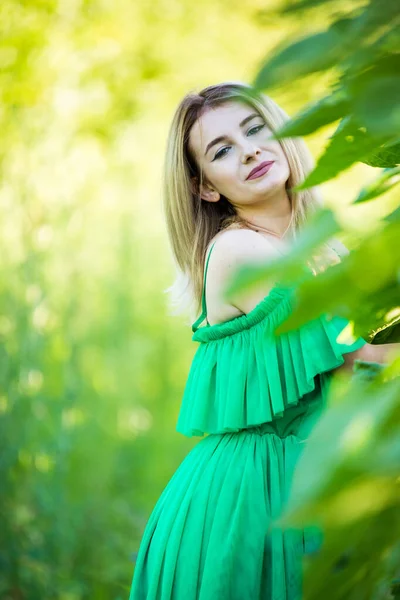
[375,353]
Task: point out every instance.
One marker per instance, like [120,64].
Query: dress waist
[297,420]
[265,428]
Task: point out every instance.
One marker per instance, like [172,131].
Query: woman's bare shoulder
[238,245]
[233,248]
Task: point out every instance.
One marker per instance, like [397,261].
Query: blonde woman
[253,395]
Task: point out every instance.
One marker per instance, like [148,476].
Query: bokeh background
[92,362]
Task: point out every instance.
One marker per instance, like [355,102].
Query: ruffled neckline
[279,295]
[245,374]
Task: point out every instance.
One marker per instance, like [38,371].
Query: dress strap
[203,297]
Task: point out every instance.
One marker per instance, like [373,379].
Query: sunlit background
[92,364]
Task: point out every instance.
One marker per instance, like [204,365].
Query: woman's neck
[275,218]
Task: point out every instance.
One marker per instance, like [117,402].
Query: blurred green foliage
[348,478]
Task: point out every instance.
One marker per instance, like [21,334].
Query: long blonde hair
[191,222]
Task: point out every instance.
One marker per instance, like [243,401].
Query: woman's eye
[221,152]
[257,127]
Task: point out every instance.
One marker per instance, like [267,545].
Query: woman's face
[227,163]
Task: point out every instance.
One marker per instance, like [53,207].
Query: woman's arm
[375,353]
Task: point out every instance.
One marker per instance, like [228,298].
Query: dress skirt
[210,537]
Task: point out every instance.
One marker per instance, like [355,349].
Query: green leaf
[366,55]
[388,334]
[296,7]
[317,52]
[386,180]
[350,143]
[394,216]
[289,268]
[344,439]
[377,15]
[386,157]
[364,287]
[321,113]
[377,103]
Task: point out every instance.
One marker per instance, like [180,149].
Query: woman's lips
[261,171]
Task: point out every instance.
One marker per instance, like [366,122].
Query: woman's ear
[207,193]
[210,195]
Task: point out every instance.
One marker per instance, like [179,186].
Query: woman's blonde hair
[192,222]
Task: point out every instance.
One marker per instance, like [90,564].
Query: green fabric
[242,374]
[256,396]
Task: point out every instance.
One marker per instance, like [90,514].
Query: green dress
[257,396]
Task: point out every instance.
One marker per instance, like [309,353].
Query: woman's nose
[250,150]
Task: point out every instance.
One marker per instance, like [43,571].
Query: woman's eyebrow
[222,138]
